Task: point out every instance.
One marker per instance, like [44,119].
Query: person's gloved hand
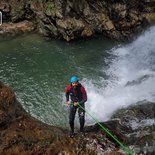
[76,103]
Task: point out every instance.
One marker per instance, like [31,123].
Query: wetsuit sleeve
[84,95]
[67,92]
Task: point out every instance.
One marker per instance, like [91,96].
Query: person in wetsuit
[76,94]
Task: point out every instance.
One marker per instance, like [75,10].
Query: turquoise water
[39,70]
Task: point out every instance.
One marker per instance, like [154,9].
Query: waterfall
[131,78]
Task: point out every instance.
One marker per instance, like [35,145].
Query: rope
[126,149]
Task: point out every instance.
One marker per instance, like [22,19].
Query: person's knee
[82,119]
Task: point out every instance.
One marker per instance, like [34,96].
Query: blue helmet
[74,79]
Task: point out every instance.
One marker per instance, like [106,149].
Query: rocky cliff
[70,19]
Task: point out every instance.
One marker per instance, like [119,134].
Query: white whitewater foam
[142,123]
[132,78]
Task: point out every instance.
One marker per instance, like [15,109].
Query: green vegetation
[50,6]
[49,3]
[42,1]
[29,1]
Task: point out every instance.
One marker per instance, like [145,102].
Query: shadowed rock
[71,19]
[138,80]
[140,119]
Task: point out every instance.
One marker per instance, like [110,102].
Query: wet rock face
[140,111]
[139,121]
[133,126]
[70,19]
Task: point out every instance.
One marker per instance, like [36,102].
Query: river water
[115,75]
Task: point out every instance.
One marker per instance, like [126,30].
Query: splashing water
[38,71]
[132,78]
